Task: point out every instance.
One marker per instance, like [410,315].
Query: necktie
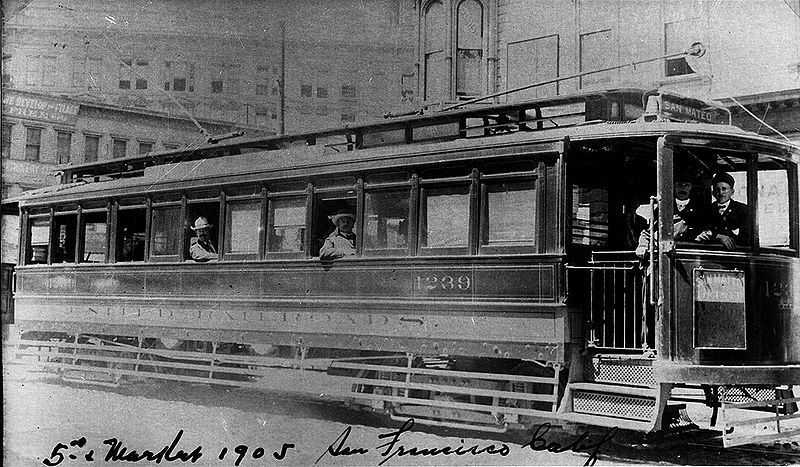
[722,209]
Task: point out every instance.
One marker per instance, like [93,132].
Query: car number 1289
[440,282]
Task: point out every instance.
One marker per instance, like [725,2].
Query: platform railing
[618,317]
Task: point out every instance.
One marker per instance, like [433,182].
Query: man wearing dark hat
[342,241]
[688,214]
[202,250]
[729,220]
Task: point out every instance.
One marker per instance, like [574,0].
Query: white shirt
[723,207]
[681,204]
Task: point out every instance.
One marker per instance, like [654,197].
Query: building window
[348,117]
[348,92]
[63,147]
[456,28]
[33,143]
[596,51]
[120,148]
[322,92]
[531,61]
[91,147]
[434,45]
[262,89]
[179,76]
[145,148]
[469,48]
[305,90]
[678,36]
[132,73]
[6,136]
[225,78]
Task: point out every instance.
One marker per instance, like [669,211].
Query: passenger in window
[729,220]
[342,241]
[202,250]
[689,214]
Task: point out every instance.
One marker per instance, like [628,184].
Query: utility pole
[282,81]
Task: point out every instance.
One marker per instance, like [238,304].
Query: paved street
[40,412]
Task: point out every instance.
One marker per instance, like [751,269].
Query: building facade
[470,48]
[41,133]
[273,64]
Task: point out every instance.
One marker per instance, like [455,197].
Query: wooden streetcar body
[458,309]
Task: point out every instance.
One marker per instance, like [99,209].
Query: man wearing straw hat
[342,241]
[202,250]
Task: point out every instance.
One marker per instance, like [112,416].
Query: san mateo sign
[38,108]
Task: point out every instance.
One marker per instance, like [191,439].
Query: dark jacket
[695,216]
[734,222]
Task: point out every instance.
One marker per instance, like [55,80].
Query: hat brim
[339,216]
[207,226]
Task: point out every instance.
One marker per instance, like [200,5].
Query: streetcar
[494,283]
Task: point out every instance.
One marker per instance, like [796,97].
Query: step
[637,391]
[617,401]
[608,422]
[622,369]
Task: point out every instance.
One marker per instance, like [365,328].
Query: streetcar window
[39,243]
[64,238]
[195,211]
[773,203]
[131,225]
[242,227]
[444,218]
[323,225]
[509,214]
[386,220]
[94,238]
[167,228]
[287,225]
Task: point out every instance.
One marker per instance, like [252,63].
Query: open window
[195,210]
[64,237]
[131,233]
[325,208]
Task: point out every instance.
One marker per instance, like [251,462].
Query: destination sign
[719,286]
[688,109]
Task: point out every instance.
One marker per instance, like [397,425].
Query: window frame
[59,154]
[517,246]
[150,247]
[408,250]
[449,184]
[243,200]
[28,132]
[306,196]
